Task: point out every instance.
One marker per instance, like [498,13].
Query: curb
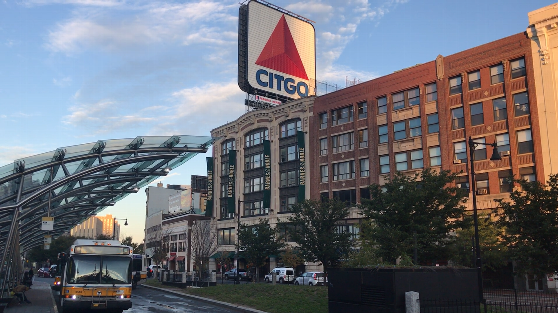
[207,300]
[54,307]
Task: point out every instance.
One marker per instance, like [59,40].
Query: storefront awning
[171,259]
[180,258]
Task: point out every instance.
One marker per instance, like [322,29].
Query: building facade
[90,228]
[111,227]
[261,189]
[422,116]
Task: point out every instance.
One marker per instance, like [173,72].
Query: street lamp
[495,156]
[114,226]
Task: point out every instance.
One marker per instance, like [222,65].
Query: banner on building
[48,223]
[209,203]
[267,174]
[232,177]
[302,166]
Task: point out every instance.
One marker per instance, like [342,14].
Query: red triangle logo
[280,52]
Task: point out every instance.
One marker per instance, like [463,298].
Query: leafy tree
[103,237]
[425,204]
[530,220]
[257,242]
[291,258]
[316,231]
[493,249]
[136,247]
[365,253]
[60,244]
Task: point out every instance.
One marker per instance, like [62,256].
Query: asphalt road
[145,300]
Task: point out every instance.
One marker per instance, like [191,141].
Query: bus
[97,275]
[138,261]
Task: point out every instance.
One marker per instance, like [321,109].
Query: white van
[283,275]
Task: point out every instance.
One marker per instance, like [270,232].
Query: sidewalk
[41,299]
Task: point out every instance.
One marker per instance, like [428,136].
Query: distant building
[90,228]
[108,229]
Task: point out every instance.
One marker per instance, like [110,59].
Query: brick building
[422,117]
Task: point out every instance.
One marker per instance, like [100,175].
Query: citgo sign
[280,52]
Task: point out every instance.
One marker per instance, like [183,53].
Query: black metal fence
[449,306]
[510,300]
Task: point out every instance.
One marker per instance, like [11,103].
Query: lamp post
[114,226]
[495,156]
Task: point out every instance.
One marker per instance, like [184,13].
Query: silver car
[311,279]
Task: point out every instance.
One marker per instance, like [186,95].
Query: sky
[77,71]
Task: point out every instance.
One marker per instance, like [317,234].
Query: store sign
[47,223]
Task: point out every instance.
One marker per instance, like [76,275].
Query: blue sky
[76,71]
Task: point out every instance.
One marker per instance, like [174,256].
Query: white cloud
[64,82]
[8,154]
[100,3]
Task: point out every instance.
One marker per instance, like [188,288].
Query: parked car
[242,274]
[311,279]
[284,275]
[151,268]
[43,272]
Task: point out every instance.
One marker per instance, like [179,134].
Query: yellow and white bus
[97,275]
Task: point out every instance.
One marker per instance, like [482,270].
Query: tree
[136,247]
[204,243]
[291,258]
[424,207]
[60,244]
[316,231]
[103,237]
[530,220]
[257,242]
[160,247]
[365,253]
[493,249]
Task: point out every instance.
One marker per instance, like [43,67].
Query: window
[414,127]
[343,170]
[517,68]
[433,126]
[460,151]
[398,101]
[224,190]
[416,159]
[474,80]
[227,146]
[323,120]
[253,161]
[382,105]
[462,182]
[323,146]
[457,119]
[362,110]
[480,150]
[414,96]
[173,247]
[348,229]
[225,168]
[496,74]
[524,141]
[364,168]
[365,193]
[401,161]
[431,92]
[527,173]
[384,164]
[182,237]
[506,181]
[289,179]
[343,142]
[521,104]
[363,138]
[482,184]
[500,112]
[225,211]
[181,246]
[256,137]
[287,203]
[383,133]
[503,143]
[173,237]
[399,130]
[290,128]
[253,184]
[324,173]
[347,196]
[477,117]
[342,116]
[435,156]
[254,208]
[455,85]
[288,153]
[226,236]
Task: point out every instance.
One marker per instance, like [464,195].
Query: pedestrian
[30,277]
[19,292]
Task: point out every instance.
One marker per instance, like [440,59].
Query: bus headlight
[74,297]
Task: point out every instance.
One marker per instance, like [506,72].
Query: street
[151,300]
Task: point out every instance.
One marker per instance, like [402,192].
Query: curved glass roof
[72,183]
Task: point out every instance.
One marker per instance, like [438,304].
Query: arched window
[256,137]
[289,128]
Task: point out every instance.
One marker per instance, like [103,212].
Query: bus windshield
[96,269]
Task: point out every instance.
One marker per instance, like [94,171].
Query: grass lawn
[266,297]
